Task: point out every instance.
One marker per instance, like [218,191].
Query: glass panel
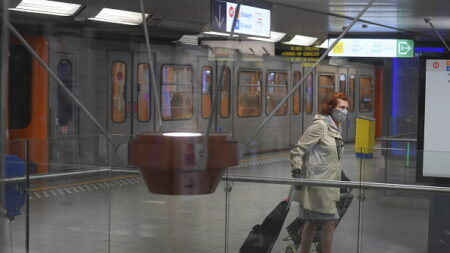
[326,89]
[225,94]
[249,93]
[65,106]
[276,90]
[118,93]
[351,94]
[143,92]
[342,83]
[176,92]
[206,91]
[19,89]
[297,95]
[365,94]
[309,94]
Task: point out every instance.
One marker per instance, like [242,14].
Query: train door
[365,93]
[297,106]
[207,83]
[351,95]
[119,73]
[342,87]
[65,113]
[248,100]
[224,117]
[308,97]
[326,84]
[143,114]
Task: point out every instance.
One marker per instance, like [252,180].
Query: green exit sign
[381,48]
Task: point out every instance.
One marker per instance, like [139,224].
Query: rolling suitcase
[262,237]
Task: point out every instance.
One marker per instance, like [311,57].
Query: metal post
[244,145]
[4,38]
[27,192]
[151,66]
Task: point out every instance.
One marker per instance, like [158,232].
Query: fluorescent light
[301,40]
[182,134]
[119,16]
[220,34]
[47,7]
[324,44]
[189,40]
[274,37]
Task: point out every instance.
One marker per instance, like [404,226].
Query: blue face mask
[339,115]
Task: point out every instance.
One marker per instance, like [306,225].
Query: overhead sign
[306,56]
[249,21]
[436,137]
[383,48]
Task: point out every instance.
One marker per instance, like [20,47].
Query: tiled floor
[127,218]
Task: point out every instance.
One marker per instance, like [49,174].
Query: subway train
[112,79]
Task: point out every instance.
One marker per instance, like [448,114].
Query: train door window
[143,92]
[176,92]
[343,83]
[326,89]
[309,94]
[276,90]
[297,94]
[206,91]
[65,107]
[225,94]
[249,93]
[365,94]
[19,90]
[118,92]
[351,94]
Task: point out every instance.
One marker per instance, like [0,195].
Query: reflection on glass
[118,91]
[206,91]
[276,90]
[351,94]
[143,92]
[365,94]
[249,93]
[297,94]
[225,94]
[342,83]
[309,94]
[176,92]
[326,89]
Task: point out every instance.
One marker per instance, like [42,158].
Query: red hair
[328,107]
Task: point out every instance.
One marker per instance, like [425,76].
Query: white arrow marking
[220,19]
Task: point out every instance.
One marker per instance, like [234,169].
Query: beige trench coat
[318,154]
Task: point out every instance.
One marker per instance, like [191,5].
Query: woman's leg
[309,229]
[326,237]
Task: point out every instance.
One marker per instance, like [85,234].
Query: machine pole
[3,114]
[296,86]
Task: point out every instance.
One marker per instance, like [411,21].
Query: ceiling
[316,18]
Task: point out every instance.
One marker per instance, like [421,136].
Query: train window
[342,83]
[365,94]
[297,94]
[176,92]
[326,89]
[65,107]
[351,94]
[225,94]
[249,93]
[19,91]
[206,91]
[143,92]
[309,94]
[276,90]
[118,92]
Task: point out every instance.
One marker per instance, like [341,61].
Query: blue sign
[219,16]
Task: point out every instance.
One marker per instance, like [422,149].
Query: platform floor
[117,214]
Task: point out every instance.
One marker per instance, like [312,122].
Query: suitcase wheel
[290,248]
